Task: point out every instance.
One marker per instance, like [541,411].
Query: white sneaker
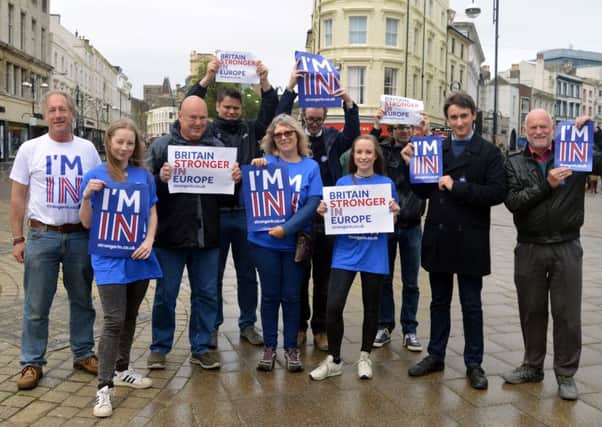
[326,369]
[103,407]
[131,378]
[364,366]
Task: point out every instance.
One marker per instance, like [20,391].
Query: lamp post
[31,84]
[472,11]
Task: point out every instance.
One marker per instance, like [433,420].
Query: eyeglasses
[314,119]
[401,127]
[285,134]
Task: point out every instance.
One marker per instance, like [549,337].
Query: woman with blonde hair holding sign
[355,253]
[285,144]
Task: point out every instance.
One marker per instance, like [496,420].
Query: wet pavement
[238,395]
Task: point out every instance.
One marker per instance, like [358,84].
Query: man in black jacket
[456,235]
[187,236]
[548,208]
[407,235]
[232,131]
[327,145]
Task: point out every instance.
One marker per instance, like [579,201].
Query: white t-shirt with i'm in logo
[54,172]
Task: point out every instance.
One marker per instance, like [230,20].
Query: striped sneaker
[131,378]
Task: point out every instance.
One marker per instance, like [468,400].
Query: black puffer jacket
[543,214]
[411,206]
[185,220]
[244,135]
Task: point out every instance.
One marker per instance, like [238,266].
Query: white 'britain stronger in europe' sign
[357,209]
[206,170]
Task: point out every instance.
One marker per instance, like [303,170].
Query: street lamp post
[472,11]
[31,84]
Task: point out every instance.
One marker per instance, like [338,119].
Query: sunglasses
[285,134]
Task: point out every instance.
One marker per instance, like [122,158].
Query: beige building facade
[24,71]
[386,47]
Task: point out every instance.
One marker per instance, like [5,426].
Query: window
[415,85]
[43,44]
[417,39]
[461,76]
[462,51]
[11,23]
[390,81]
[327,32]
[22,31]
[358,31]
[391,32]
[442,57]
[429,49]
[453,46]
[427,94]
[34,30]
[45,6]
[451,72]
[357,83]
[9,78]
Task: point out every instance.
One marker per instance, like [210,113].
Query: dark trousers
[550,270]
[442,285]
[319,271]
[340,283]
[120,305]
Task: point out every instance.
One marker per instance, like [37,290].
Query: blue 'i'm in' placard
[319,82]
[119,219]
[267,195]
[426,165]
[573,147]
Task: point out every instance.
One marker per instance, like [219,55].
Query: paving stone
[32,412]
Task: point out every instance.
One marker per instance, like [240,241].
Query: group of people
[55,177]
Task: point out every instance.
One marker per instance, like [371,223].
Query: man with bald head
[187,236]
[547,205]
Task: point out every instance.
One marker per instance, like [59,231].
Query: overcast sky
[151,39]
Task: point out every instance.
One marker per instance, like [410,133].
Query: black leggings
[338,289]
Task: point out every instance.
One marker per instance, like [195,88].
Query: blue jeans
[233,231]
[280,278]
[201,265]
[469,287]
[45,251]
[410,243]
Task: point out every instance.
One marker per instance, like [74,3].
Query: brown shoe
[89,364]
[321,341]
[301,338]
[30,377]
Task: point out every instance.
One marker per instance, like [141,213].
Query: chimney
[539,72]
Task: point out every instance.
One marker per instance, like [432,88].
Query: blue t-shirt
[305,180]
[115,270]
[363,252]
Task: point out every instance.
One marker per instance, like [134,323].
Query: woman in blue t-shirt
[274,250]
[363,253]
[122,281]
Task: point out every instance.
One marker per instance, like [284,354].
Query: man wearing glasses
[407,235]
[327,145]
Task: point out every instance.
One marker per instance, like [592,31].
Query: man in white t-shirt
[50,169]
